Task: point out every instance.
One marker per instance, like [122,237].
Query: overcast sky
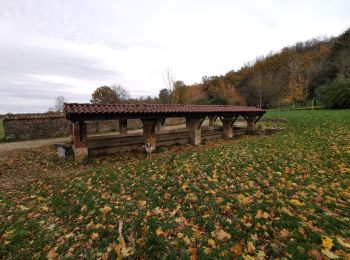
[71,47]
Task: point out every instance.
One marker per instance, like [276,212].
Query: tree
[59,104]
[121,92]
[179,92]
[169,80]
[109,95]
[335,94]
[297,83]
[164,96]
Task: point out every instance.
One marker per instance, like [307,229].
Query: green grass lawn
[2,133]
[280,196]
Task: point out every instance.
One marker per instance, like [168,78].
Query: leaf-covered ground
[285,195]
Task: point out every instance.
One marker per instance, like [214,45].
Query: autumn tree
[286,77]
[179,92]
[109,95]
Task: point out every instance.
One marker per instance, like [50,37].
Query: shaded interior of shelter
[114,142]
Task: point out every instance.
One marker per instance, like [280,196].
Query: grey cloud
[20,91]
[35,60]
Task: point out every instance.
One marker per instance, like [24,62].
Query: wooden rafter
[201,122]
[234,120]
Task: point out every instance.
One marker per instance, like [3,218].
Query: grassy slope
[268,195]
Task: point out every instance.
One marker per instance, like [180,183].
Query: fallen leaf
[343,242]
[94,236]
[327,242]
[222,235]
[52,254]
[212,243]
[159,231]
[296,202]
[237,249]
[329,254]
[106,209]
[284,233]
[142,202]
[250,247]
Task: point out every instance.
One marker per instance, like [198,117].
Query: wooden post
[71,132]
[227,127]
[194,125]
[251,124]
[80,147]
[160,125]
[149,132]
[123,126]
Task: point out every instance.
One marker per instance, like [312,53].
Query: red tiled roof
[75,108]
[33,116]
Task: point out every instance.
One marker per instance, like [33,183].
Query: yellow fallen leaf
[40,198]
[327,242]
[296,202]
[329,254]
[343,243]
[244,199]
[212,243]
[180,220]
[186,240]
[237,249]
[159,231]
[83,208]
[261,254]
[106,209]
[222,235]
[250,247]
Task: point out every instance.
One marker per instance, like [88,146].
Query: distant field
[2,133]
[284,196]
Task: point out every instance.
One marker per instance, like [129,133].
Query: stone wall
[51,125]
[26,129]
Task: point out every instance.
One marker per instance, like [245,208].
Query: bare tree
[59,104]
[169,80]
[121,92]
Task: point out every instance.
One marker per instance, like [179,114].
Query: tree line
[318,69]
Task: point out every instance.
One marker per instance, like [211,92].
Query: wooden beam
[258,119]
[200,124]
[234,120]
